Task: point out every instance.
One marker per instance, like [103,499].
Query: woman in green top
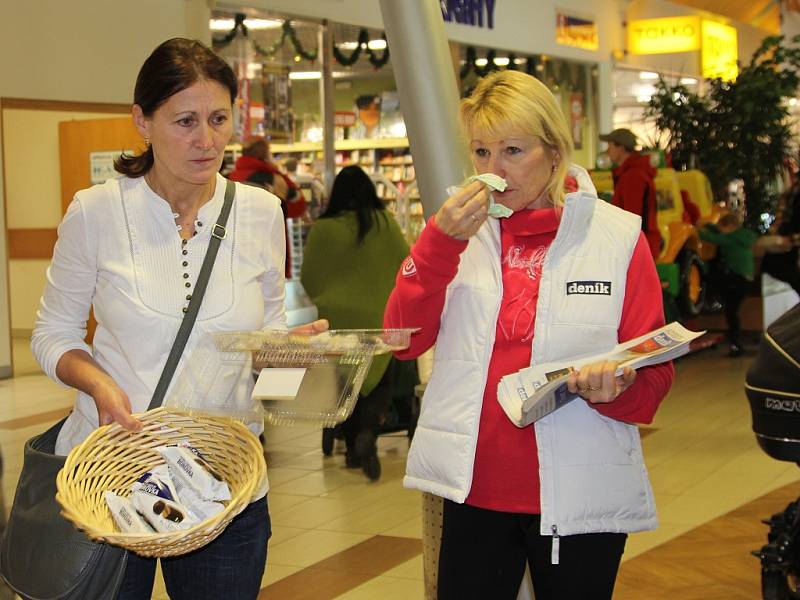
[350,261]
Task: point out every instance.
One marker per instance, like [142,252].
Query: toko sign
[662,36]
[716,41]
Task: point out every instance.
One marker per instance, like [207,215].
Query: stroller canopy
[773,388]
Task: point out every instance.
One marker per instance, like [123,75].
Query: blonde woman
[492,294]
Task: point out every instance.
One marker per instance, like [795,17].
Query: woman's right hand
[113,405]
[464,212]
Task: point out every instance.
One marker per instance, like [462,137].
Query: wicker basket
[112,459]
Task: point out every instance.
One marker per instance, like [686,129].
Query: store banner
[576,31]
[478,13]
[720,51]
[664,36]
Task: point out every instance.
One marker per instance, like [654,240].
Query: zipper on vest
[556,544]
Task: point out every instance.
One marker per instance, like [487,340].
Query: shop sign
[720,51]
[469,12]
[578,32]
[663,36]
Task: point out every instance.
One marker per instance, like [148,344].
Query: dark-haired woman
[349,264]
[131,249]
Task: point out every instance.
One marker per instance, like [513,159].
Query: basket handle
[217,235]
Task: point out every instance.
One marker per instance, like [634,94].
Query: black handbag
[42,555]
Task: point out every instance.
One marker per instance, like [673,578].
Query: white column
[426,84]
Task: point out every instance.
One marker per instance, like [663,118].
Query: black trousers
[484,552]
[733,289]
[361,428]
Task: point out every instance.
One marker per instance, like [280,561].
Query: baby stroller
[773,389]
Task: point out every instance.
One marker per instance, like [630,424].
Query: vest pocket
[588,437]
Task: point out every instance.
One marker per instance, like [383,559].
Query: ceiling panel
[764,14]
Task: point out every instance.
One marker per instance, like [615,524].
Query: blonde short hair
[511,100]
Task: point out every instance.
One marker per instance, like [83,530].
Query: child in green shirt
[735,244]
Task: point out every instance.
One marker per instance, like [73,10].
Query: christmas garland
[534,65]
[238,24]
[288,32]
[362,44]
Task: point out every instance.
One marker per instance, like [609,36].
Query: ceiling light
[648,75]
[688,81]
[305,75]
[318,74]
[227,24]
[372,44]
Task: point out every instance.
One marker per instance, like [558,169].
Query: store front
[275,56]
[680,45]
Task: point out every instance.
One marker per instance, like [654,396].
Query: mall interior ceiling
[765,14]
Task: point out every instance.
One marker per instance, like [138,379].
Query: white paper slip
[278,383]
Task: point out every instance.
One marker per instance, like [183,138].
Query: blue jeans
[229,567]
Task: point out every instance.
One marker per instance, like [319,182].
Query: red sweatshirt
[294,204]
[634,182]
[505,475]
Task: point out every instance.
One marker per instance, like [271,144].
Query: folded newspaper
[530,394]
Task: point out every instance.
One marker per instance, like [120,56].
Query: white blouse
[119,251]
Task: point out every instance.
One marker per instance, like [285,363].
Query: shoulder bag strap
[217,235]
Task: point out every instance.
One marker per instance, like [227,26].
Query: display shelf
[387,160]
[339,145]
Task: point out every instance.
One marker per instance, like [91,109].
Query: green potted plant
[739,129]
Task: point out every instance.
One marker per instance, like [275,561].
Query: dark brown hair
[353,191]
[173,66]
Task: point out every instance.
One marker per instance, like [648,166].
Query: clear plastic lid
[278,344]
[302,379]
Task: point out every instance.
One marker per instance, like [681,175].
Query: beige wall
[33,196]
[33,183]
[87,51]
[26,280]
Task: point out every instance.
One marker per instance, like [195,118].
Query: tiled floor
[338,536]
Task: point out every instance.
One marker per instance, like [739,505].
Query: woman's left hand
[598,383]
[317,326]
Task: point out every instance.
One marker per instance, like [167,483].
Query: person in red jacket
[634,183]
[254,166]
